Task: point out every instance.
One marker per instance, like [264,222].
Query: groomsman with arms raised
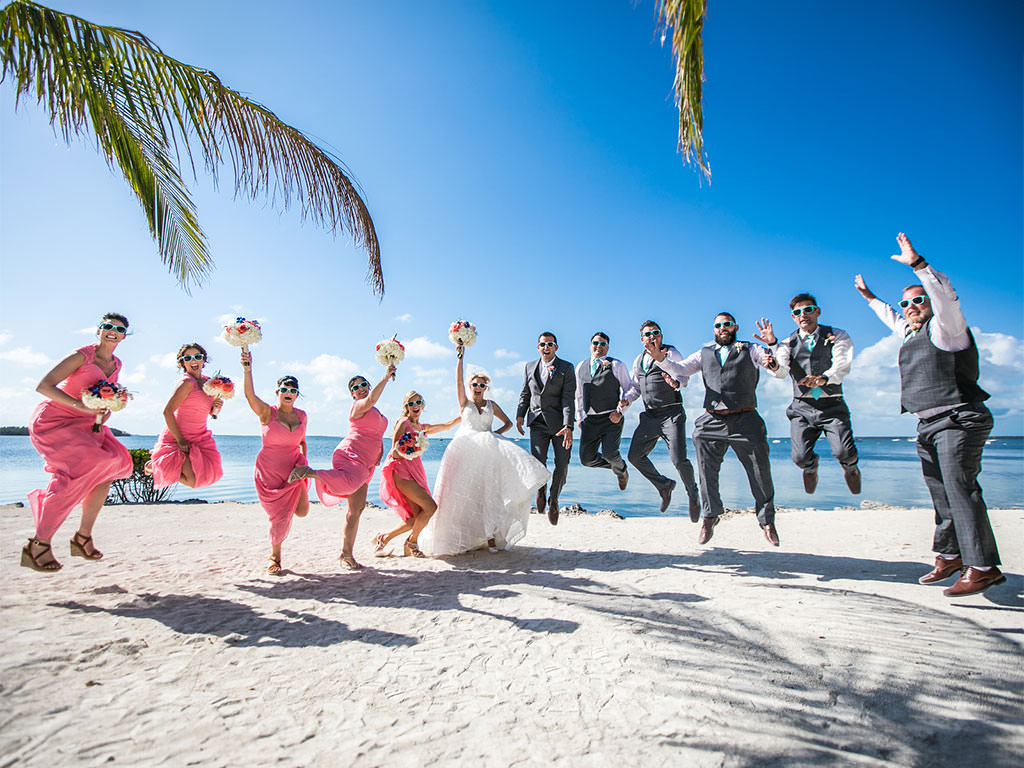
[818,357]
[655,370]
[938,364]
[603,391]
[731,370]
[546,405]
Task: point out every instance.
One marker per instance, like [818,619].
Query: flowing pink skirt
[408,469]
[168,460]
[279,498]
[348,475]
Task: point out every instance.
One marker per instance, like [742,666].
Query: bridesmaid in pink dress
[83,463]
[284,449]
[403,480]
[354,460]
[185,451]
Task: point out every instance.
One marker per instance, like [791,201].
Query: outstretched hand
[766,335]
[862,287]
[907,254]
[566,433]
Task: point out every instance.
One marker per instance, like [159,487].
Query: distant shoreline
[23,432]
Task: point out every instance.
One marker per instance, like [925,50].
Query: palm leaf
[145,110]
[685,20]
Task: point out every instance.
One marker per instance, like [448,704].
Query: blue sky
[519,160]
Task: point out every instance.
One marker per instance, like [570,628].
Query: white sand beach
[598,642]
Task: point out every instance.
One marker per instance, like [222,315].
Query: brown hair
[191,345]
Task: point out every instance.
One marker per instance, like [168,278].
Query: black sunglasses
[916,300]
[111,327]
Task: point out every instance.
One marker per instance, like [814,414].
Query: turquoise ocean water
[891,470]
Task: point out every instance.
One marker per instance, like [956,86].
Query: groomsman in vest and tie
[604,389]
[817,357]
[655,371]
[546,405]
[938,364]
[731,370]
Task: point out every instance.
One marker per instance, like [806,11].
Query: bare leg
[356,503]
[188,474]
[274,568]
[90,511]
[302,508]
[418,496]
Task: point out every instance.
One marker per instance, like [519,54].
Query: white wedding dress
[484,488]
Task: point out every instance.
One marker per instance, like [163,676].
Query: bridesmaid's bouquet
[464,331]
[105,396]
[242,333]
[219,386]
[390,352]
[412,444]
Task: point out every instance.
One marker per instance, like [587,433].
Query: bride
[485,482]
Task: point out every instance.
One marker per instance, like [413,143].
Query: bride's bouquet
[219,386]
[105,396]
[390,352]
[412,444]
[464,331]
[242,333]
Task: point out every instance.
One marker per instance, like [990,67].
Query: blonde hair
[410,395]
[481,377]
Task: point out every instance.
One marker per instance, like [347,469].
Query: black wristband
[917,262]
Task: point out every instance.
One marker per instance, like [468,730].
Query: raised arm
[506,422]
[944,301]
[362,407]
[460,384]
[259,407]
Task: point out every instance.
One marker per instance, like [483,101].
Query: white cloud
[406,318]
[25,357]
[515,369]
[90,331]
[5,336]
[168,360]
[328,371]
[506,354]
[421,346]
[136,376]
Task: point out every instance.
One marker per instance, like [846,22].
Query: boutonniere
[551,368]
[606,364]
[830,339]
[740,346]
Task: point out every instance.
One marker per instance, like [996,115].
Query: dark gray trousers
[809,418]
[950,450]
[540,438]
[668,424]
[599,432]
[747,435]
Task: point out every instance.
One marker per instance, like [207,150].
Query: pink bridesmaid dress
[281,453]
[78,458]
[409,469]
[354,459]
[168,458]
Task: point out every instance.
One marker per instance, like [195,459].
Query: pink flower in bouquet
[106,392]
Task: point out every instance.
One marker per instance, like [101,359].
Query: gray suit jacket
[555,400]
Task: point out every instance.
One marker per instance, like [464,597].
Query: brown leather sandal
[412,549]
[274,569]
[79,544]
[32,561]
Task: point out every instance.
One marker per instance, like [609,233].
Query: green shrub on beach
[138,488]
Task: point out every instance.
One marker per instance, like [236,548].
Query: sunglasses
[413,403]
[356,387]
[288,390]
[599,343]
[111,327]
[649,334]
[546,344]
[478,385]
[916,301]
[190,358]
[804,310]
[726,324]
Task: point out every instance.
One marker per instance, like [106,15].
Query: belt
[730,412]
[944,414]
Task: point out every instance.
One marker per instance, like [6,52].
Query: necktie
[646,363]
[544,373]
[723,352]
[594,365]
[810,341]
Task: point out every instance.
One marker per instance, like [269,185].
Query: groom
[546,404]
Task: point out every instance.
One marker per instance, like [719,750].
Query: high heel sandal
[349,563]
[79,544]
[379,543]
[274,569]
[32,561]
[412,549]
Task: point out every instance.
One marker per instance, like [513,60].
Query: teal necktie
[723,353]
[594,364]
[646,363]
[810,341]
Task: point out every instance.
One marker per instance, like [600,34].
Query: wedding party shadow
[239,624]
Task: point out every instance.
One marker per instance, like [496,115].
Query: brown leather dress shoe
[810,480]
[852,477]
[542,497]
[694,509]
[974,581]
[707,529]
[771,534]
[943,570]
[666,495]
[623,479]
[553,511]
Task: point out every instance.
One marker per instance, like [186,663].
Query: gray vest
[657,393]
[931,377]
[601,393]
[730,386]
[803,363]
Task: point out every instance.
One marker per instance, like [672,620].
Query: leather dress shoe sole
[707,529]
[666,495]
[771,534]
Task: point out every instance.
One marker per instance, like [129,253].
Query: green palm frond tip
[145,109]
[683,20]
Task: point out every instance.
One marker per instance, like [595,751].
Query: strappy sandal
[379,542]
[412,549]
[349,563]
[32,561]
[79,544]
[274,569]
[297,474]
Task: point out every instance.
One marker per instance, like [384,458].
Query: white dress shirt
[842,356]
[692,364]
[672,365]
[629,389]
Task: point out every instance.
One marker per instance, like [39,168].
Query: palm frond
[146,109]
[685,20]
